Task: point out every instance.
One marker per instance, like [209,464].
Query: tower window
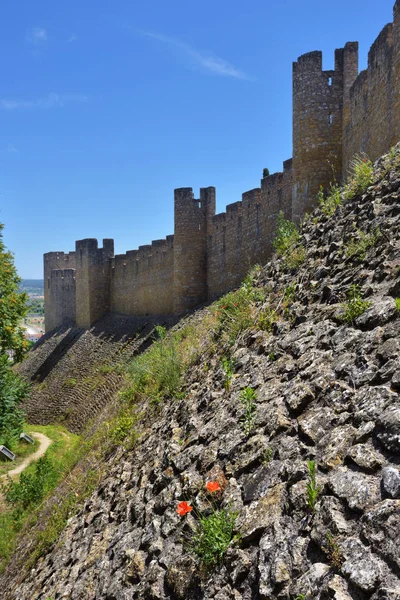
[329,80]
[330,119]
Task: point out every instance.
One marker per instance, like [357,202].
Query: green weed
[328,202]
[333,552]
[312,489]
[355,305]
[228,368]
[247,398]
[287,243]
[397,300]
[357,248]
[213,536]
[360,176]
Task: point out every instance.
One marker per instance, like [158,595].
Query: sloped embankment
[75,373]
[325,389]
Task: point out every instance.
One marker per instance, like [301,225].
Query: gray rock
[388,428]
[359,490]
[381,527]
[391,481]
[366,457]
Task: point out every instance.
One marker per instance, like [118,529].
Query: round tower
[317,128]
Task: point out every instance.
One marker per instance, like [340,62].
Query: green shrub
[247,398]
[329,202]
[12,391]
[122,427]
[287,243]
[31,487]
[358,248]
[213,536]
[312,489]
[158,372]
[397,304]
[228,368]
[355,305]
[265,172]
[360,176]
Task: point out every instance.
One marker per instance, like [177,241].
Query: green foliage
[235,313]
[328,202]
[312,489]
[247,398]
[12,305]
[355,305]
[397,300]
[123,427]
[360,176]
[266,318]
[31,487]
[158,372]
[333,552]
[265,172]
[70,382]
[12,391]
[357,248]
[228,368]
[267,456]
[287,243]
[213,536]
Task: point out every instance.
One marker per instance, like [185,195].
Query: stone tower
[320,106]
[193,221]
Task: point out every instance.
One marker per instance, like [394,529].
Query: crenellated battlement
[337,114]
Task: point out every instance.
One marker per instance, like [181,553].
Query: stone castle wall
[336,115]
[142,280]
[374,119]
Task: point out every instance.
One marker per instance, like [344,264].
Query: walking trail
[44,442]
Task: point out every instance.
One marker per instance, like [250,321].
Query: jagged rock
[391,482]
[381,527]
[363,570]
[359,490]
[366,457]
[259,515]
[136,566]
[337,589]
[388,429]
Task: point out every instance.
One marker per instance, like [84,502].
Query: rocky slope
[326,390]
[75,370]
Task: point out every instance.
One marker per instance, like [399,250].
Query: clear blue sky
[106,107]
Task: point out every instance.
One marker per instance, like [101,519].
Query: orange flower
[213,486]
[183,508]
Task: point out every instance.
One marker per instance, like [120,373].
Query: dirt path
[44,442]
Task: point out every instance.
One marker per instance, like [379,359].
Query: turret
[93,266]
[193,222]
[317,128]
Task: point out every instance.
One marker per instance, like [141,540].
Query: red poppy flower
[213,486]
[183,508]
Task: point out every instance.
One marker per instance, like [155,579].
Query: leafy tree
[12,345]
[12,306]
[12,392]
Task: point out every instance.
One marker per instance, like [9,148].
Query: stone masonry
[336,115]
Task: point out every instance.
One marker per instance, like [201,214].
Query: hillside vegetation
[253,451]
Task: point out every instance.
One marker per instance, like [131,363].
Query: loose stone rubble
[326,391]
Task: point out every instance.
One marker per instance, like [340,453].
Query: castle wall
[242,236]
[142,280]
[374,111]
[317,128]
[193,220]
[336,115]
[61,298]
[92,280]
[53,292]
